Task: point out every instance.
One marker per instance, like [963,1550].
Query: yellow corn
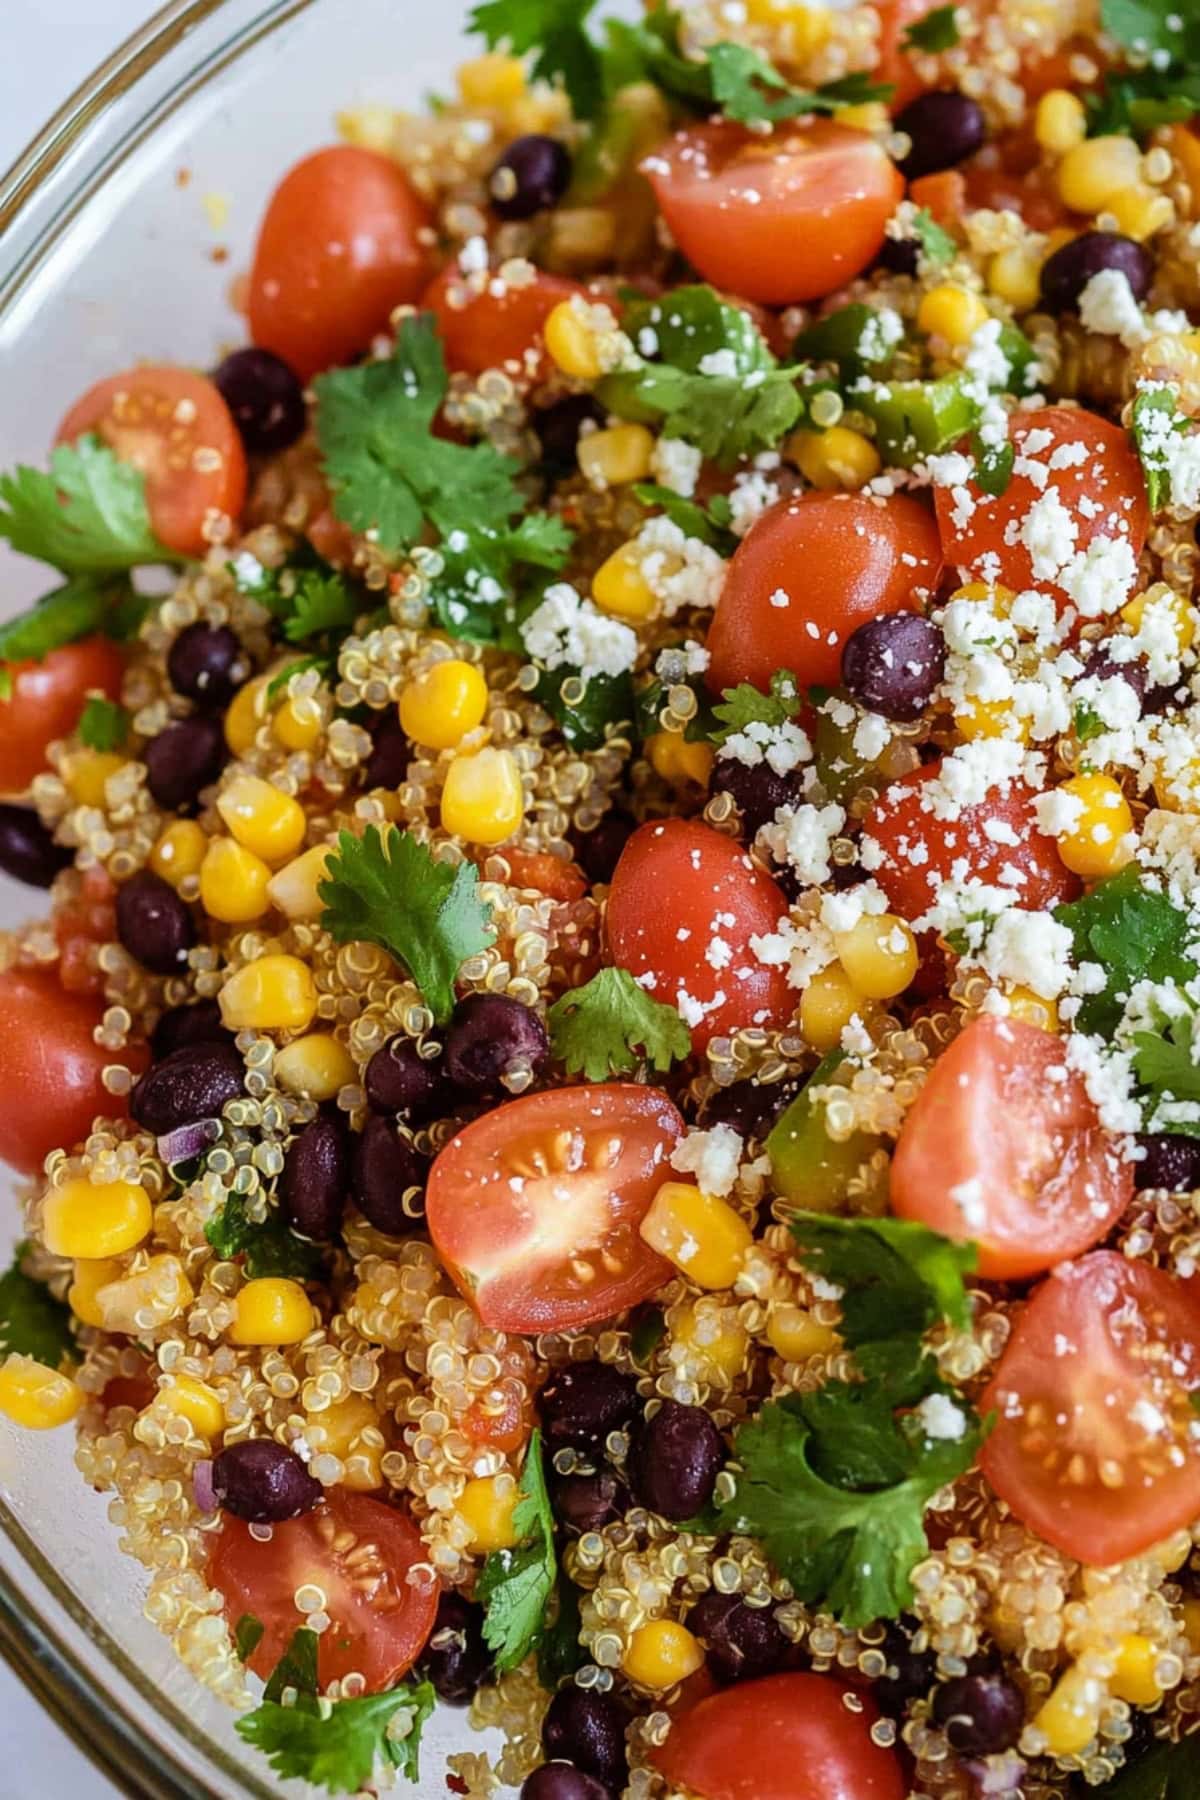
[868,115]
[660,1654]
[952,313]
[990,719]
[1140,212]
[837,458]
[620,588]
[91,1274]
[263,820]
[999,598]
[715,1335]
[1092,172]
[795,1334]
[443,703]
[272,1310]
[37,1397]
[483,800]
[179,852]
[297,724]
[1166,606]
[572,344]
[487,1504]
[196,1402]
[276,993]
[1071,1714]
[700,1233]
[1060,121]
[245,714]
[1031,1009]
[679,761]
[293,889]
[491,80]
[1098,843]
[338,1430]
[147,1299]
[233,883]
[317,1066]
[95,1219]
[809,25]
[85,774]
[827,1005]
[1014,275]
[1133,1678]
[879,955]
[616,456]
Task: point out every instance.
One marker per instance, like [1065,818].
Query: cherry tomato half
[341,246]
[496,330]
[684,903]
[380,1620]
[786,1737]
[811,571]
[776,219]
[46,701]
[534,1208]
[1094,1446]
[174,427]
[1004,1147]
[50,1068]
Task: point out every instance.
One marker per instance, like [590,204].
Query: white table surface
[49,47]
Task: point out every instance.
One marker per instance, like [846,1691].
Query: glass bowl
[121,229]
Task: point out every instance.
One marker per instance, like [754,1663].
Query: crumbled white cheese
[713,1157]
[803,836]
[940,1418]
[676,464]
[1108,306]
[680,571]
[566,631]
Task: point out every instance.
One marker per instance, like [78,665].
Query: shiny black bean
[587,1728]
[740,1641]
[944,128]
[456,1659]
[316,1177]
[674,1460]
[385,1167]
[1172,1161]
[190,1084]
[558,427]
[583,1403]
[154,924]
[981,1714]
[265,398]
[901,255]
[28,851]
[757,790]
[909,1673]
[559,1781]
[589,1502]
[750,1107]
[197,1023]
[598,852]
[398,1080]
[263,1481]
[183,759]
[532,174]
[206,663]
[892,665]
[1102,666]
[1066,273]
[487,1037]
[391,752]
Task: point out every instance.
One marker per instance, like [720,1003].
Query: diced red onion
[187,1141]
[202,1486]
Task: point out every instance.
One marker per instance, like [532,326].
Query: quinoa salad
[608,1103]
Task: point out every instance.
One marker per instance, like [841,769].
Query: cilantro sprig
[86,515]
[515,1585]
[936,31]
[267,1245]
[32,1322]
[747,705]
[610,1026]
[1161,85]
[710,524]
[1165,1772]
[1133,933]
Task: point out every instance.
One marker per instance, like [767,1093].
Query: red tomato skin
[548,874]
[338,250]
[50,1068]
[895,65]
[1095,1306]
[496,331]
[822,197]
[841,560]
[785,1737]
[47,699]
[1003,1119]
[676,875]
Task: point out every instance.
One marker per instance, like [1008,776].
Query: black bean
[489,1035]
[456,1659]
[583,1403]
[750,1107]
[944,128]
[316,1178]
[559,1781]
[154,924]
[674,1460]
[391,752]
[598,852]
[1066,273]
[190,1084]
[756,789]
[1103,666]
[981,1714]
[893,664]
[207,664]
[398,1080]
[533,173]
[740,1641]
[587,1728]
[558,428]
[385,1167]
[901,255]
[263,1481]
[183,759]
[28,851]
[1172,1161]
[909,1674]
[197,1023]
[589,1502]
[265,398]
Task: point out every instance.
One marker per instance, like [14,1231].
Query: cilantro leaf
[1134,934]
[103,724]
[1166,1063]
[1086,723]
[320,603]
[515,1585]
[296,1668]
[750,89]
[747,705]
[1156,420]
[649,1328]
[32,1322]
[1147,26]
[1166,1772]
[481,571]
[937,31]
[268,1246]
[937,246]
[710,524]
[612,1025]
[386,888]
[556,29]
[586,718]
[1166,40]
[560,1652]
[338,1745]
[897,1277]
[86,516]
[247,1636]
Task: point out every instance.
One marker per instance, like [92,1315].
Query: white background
[49,48]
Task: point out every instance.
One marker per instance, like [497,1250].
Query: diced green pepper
[838,766]
[851,337]
[1021,355]
[808,1167]
[914,419]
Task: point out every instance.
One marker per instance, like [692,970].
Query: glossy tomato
[345,240]
[786,1737]
[1094,1446]
[358,1552]
[46,701]
[496,330]
[50,1068]
[174,427]
[535,1207]
[548,874]
[1078,486]
[777,219]
[684,904]
[811,571]
[1004,1147]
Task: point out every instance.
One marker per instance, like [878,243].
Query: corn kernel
[294,888]
[483,800]
[879,955]
[297,724]
[1191,1624]
[868,115]
[91,1274]
[700,1233]
[491,80]
[952,313]
[716,1337]
[338,1429]
[1060,121]
[679,761]
[999,598]
[835,459]
[233,883]
[1133,1676]
[1031,1009]
[85,774]
[1140,212]
[1070,1716]
[827,1005]
[616,456]
[262,819]
[272,1310]
[809,26]
[317,1066]
[1014,275]
[37,1397]
[196,1402]
[488,1508]
[661,1654]
[148,1298]
[92,1220]
[179,851]
[795,1334]
[245,714]
[1092,172]
[443,703]
[1167,607]
[990,719]
[620,588]
[571,343]
[276,993]
[1098,842]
